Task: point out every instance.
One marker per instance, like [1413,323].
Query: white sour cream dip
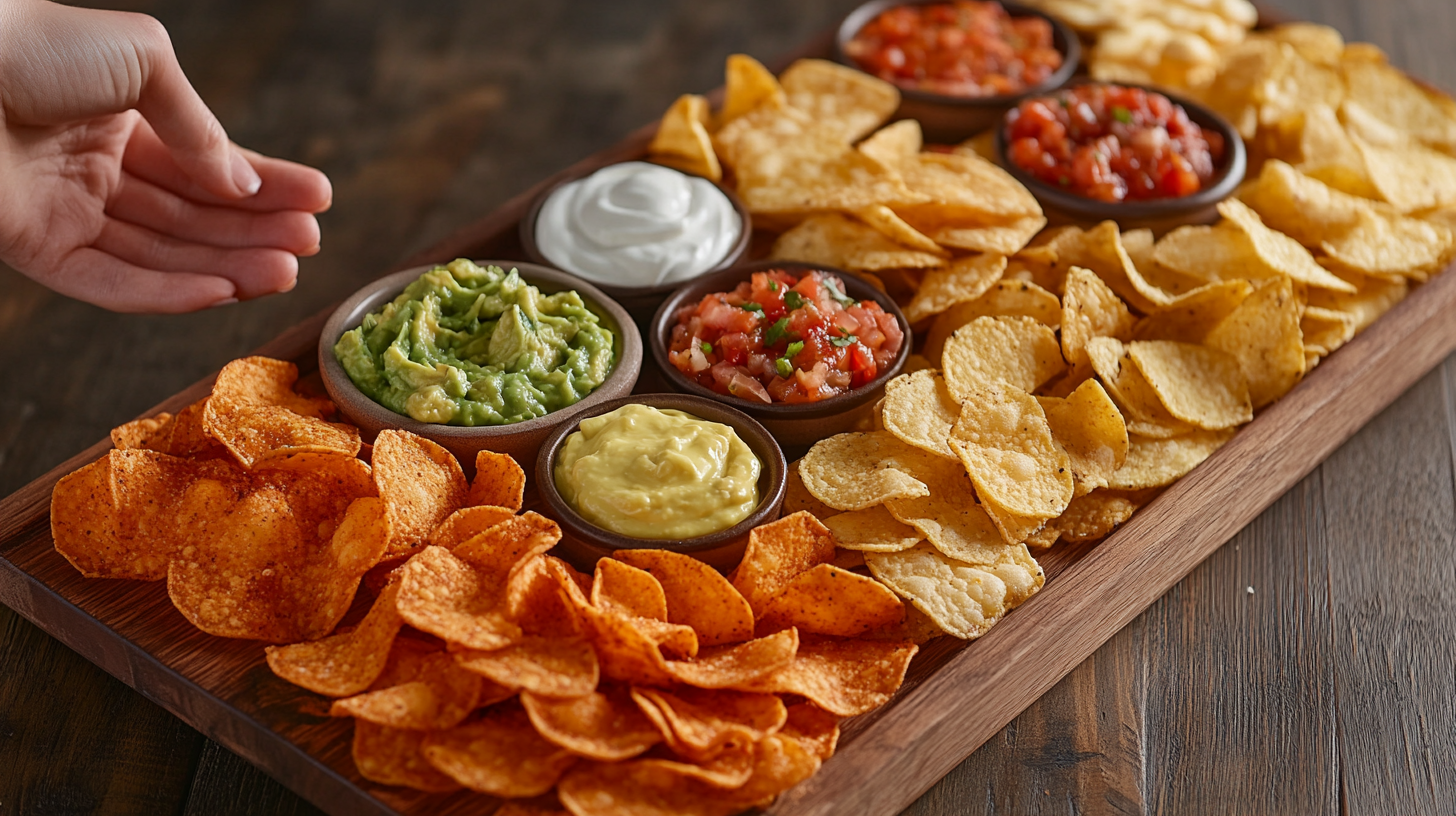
[637,224]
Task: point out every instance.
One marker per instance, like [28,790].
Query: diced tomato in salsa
[962,48]
[777,338]
[1113,143]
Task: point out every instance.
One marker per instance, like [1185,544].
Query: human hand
[119,187]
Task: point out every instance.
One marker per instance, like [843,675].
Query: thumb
[63,64]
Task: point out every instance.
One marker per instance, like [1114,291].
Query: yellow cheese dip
[662,474]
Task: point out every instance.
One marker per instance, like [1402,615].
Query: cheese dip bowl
[637,230]
[681,443]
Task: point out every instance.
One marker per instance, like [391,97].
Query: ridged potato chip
[391,756]
[1090,429]
[500,754]
[776,553]
[835,240]
[962,280]
[1192,315]
[1007,297]
[499,482]
[828,600]
[843,677]
[1263,334]
[422,483]
[873,529]
[699,723]
[255,413]
[963,599]
[919,409]
[1004,441]
[1160,462]
[858,470]
[548,666]
[696,595]
[344,663]
[732,666]
[439,695]
[1202,386]
[623,588]
[989,351]
[466,523]
[605,725]
[1090,309]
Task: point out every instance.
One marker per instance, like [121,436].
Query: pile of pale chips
[1064,381]
[881,208]
[655,685]
[1174,43]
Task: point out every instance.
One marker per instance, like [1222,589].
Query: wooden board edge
[1096,597]
[270,751]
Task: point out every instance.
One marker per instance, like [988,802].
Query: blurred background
[426,114]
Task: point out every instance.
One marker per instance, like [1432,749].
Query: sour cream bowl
[636,230]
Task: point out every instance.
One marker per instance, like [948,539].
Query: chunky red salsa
[778,338]
[961,48]
[1113,143]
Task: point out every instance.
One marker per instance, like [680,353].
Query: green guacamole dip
[471,345]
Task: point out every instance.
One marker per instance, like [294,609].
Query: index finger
[286,185]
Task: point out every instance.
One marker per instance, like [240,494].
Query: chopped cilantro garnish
[707,348]
[841,342]
[784,367]
[793,350]
[1122,115]
[773,286]
[838,294]
[793,300]
[776,332]
[750,306]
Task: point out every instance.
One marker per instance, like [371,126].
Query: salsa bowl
[946,118]
[793,424]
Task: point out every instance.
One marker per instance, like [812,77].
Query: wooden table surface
[1308,667]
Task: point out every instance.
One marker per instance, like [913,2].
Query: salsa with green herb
[1113,143]
[472,345]
[778,338]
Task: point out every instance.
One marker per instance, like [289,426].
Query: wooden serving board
[956,696]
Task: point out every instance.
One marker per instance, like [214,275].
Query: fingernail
[224,302]
[244,175]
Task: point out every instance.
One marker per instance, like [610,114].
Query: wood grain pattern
[405,111]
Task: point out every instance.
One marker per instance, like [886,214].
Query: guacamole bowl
[519,439]
[584,541]
[797,424]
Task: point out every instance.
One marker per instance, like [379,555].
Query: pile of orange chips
[654,685]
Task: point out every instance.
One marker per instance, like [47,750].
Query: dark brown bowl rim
[735,253]
[371,297]
[660,331]
[1234,166]
[774,475]
[1064,39]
